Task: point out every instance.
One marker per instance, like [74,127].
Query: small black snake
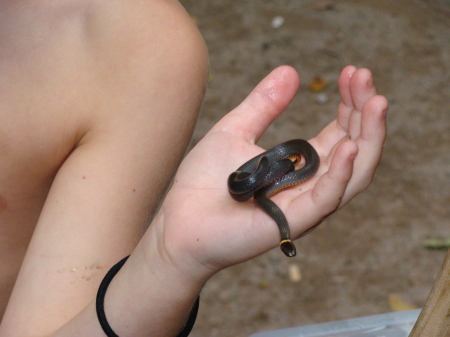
[269,173]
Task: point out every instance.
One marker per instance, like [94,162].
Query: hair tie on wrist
[99,303]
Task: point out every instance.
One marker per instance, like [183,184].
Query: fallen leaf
[264,285]
[317,84]
[437,242]
[397,304]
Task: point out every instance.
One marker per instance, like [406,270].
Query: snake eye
[242,184]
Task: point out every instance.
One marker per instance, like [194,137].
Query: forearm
[148,297]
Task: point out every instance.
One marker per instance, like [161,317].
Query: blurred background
[382,252]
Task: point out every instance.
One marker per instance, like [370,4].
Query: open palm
[202,221]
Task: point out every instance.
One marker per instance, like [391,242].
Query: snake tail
[270,208]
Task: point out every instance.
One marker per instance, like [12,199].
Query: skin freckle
[3,204]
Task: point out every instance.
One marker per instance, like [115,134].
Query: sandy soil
[373,248]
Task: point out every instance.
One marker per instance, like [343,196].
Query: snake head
[288,248]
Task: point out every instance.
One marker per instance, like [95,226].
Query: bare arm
[146,66]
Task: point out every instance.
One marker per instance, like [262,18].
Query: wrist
[151,288]
[106,327]
[172,251]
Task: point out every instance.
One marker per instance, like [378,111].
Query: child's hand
[199,223]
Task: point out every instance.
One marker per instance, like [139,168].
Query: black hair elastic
[99,303]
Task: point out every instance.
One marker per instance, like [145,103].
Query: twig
[434,320]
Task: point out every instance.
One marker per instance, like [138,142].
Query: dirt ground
[373,248]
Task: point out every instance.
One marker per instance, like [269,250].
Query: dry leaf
[397,304]
[317,84]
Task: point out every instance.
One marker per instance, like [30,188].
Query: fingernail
[350,71]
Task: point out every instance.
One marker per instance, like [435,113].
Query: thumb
[263,105]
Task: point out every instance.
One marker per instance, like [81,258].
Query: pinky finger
[327,194]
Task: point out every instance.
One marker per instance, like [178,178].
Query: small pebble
[277,21]
[295,275]
[322,98]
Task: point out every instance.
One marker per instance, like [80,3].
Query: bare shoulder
[67,67]
[73,61]
[145,47]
